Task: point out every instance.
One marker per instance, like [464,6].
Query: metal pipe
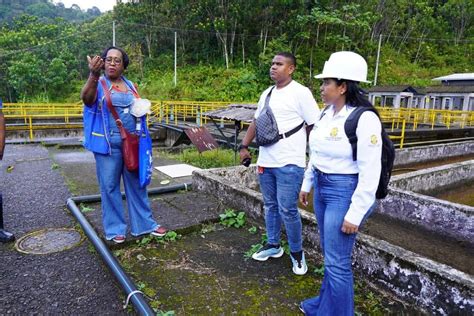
[131,291]
[96,197]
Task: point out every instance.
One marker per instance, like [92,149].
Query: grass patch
[216,158]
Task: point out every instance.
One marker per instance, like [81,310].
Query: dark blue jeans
[280,188]
[332,198]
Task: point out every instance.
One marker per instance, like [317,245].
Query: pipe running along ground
[131,292]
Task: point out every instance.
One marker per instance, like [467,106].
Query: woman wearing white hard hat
[344,187]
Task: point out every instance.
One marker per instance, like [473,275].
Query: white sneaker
[268,251]
[299,267]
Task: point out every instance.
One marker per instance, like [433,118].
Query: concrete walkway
[69,282]
[74,281]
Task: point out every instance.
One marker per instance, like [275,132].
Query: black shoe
[6,236]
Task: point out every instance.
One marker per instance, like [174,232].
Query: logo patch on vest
[333,132]
[373,139]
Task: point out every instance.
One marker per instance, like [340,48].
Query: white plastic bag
[140,107]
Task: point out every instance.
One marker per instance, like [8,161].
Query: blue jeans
[332,198]
[109,170]
[280,188]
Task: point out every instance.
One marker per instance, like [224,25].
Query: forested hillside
[44,9]
[224,46]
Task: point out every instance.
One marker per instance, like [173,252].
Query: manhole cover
[48,241]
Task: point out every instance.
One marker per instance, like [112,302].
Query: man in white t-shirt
[281,165]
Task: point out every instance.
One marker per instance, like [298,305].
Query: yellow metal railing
[400,137]
[42,122]
[430,118]
[31,116]
[172,112]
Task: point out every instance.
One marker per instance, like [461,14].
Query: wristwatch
[243,146]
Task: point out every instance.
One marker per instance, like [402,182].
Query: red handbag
[129,140]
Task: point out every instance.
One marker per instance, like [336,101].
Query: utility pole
[175,57]
[113,33]
[377,62]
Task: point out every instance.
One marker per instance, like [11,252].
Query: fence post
[30,123]
[403,135]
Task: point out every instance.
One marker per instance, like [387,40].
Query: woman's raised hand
[95,64]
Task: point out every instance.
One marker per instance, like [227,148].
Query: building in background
[456,92]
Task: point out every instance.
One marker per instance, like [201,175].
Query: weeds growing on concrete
[232,219]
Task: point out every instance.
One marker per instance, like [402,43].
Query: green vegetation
[184,276]
[232,219]
[85,209]
[208,159]
[171,236]
[45,10]
[224,50]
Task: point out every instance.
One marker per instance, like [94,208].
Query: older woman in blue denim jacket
[102,137]
[344,189]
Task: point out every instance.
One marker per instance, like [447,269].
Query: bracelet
[243,147]
[94,78]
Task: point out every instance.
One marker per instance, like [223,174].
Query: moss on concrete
[206,273]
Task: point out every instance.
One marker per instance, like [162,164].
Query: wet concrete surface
[454,253]
[437,247]
[69,282]
[462,194]
[207,273]
[430,164]
[76,282]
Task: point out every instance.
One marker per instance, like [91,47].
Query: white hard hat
[345,65]
[140,107]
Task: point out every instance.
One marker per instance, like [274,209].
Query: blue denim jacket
[96,120]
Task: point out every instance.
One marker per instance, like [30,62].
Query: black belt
[291,132]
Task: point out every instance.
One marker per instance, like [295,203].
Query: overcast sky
[103,5]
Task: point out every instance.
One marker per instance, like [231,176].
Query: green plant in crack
[367,302]
[253,249]
[208,228]
[144,241]
[162,313]
[54,166]
[232,219]
[170,236]
[319,270]
[85,209]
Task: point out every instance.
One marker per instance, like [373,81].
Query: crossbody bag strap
[267,99]
[111,108]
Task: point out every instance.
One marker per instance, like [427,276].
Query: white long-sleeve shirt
[331,152]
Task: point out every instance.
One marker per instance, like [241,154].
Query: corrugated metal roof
[464,76]
[237,112]
[398,89]
[450,89]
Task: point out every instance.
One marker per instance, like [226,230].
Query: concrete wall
[38,135]
[443,217]
[433,152]
[435,179]
[437,288]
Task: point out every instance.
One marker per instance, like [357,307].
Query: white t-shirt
[331,152]
[291,105]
